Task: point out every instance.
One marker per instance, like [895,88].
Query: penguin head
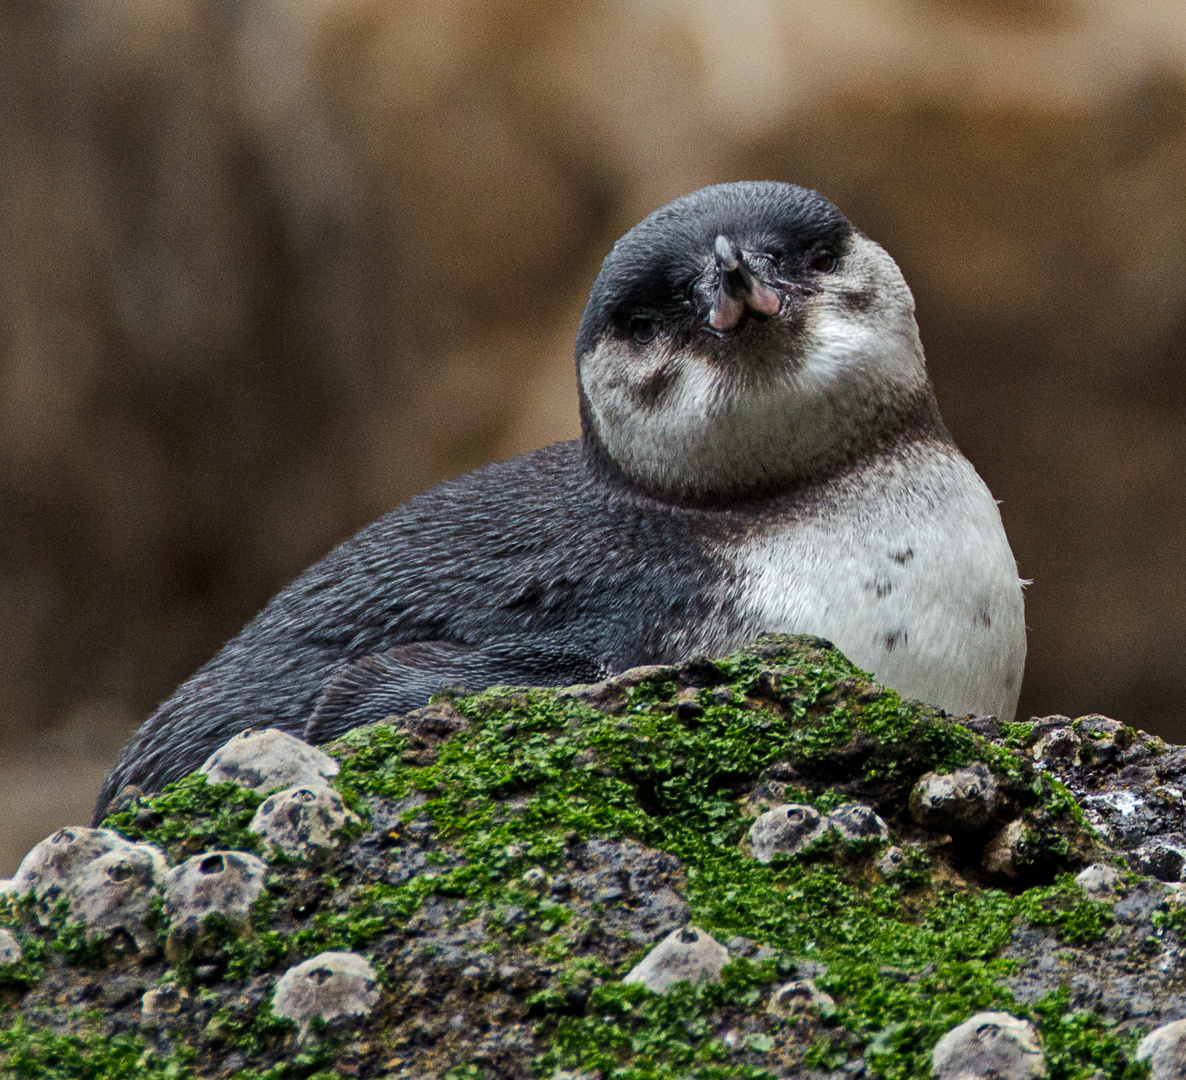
[742,339]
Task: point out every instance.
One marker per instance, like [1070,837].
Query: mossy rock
[521,850]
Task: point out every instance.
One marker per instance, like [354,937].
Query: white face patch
[680,423]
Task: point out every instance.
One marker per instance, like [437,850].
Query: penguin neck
[838,433]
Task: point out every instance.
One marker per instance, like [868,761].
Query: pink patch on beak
[726,312]
[764,299]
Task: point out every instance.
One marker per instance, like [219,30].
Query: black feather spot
[653,388]
[856,300]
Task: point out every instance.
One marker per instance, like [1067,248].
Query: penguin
[761,451]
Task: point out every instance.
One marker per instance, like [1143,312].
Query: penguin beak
[738,289]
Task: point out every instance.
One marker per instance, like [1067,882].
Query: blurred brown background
[268,267]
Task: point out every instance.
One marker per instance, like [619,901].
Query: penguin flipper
[403,678]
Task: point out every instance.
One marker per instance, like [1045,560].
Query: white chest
[906,568]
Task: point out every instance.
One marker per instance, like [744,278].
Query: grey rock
[226,882]
[688,954]
[855,821]
[48,868]
[265,760]
[1005,851]
[1163,859]
[115,891]
[741,946]
[891,861]
[1098,880]
[299,818]
[960,801]
[1101,740]
[785,830]
[989,1045]
[10,948]
[798,997]
[1165,1050]
[329,986]
[164,1000]
[1059,746]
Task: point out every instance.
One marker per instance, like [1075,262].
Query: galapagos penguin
[761,451]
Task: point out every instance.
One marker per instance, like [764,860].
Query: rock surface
[799,996]
[262,761]
[685,955]
[299,819]
[49,868]
[961,801]
[327,987]
[989,1046]
[116,890]
[550,883]
[785,830]
[1165,1050]
[224,884]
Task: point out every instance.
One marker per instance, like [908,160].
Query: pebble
[226,882]
[989,1044]
[10,948]
[891,861]
[265,760]
[163,1000]
[1165,1050]
[799,997]
[51,865]
[1101,739]
[1162,859]
[299,818]
[785,830]
[115,892]
[1007,850]
[855,821]
[686,954]
[328,986]
[1058,747]
[1098,880]
[960,801]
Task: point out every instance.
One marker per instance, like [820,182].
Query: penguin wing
[405,677]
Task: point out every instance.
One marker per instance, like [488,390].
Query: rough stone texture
[50,867]
[1098,880]
[785,830]
[1006,850]
[226,883]
[688,953]
[115,892]
[265,760]
[891,861]
[498,915]
[165,1000]
[300,818]
[799,996]
[856,822]
[329,986]
[1164,1048]
[989,1045]
[961,801]
[10,949]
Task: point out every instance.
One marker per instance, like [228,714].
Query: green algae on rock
[520,851]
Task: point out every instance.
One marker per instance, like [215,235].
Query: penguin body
[761,452]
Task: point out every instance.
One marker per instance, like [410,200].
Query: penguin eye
[643,328]
[824,262]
